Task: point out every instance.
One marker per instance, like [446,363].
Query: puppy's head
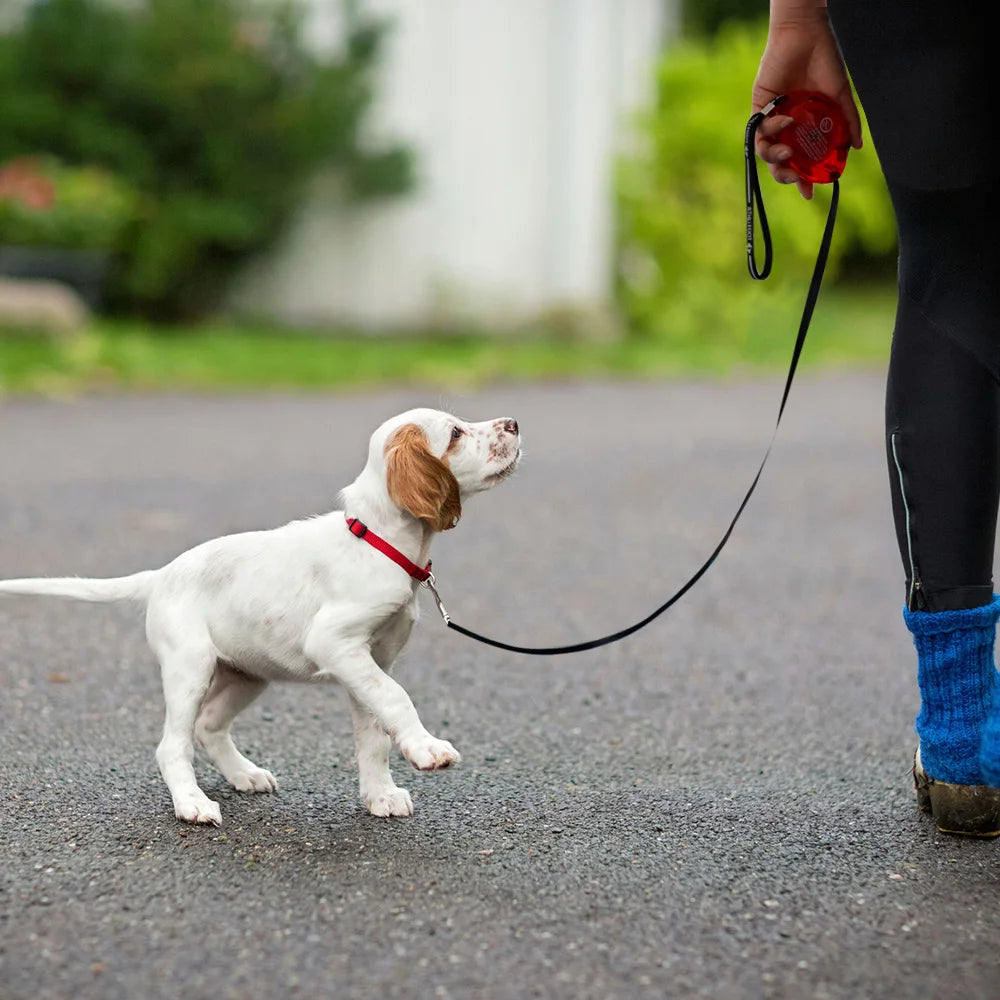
[434,460]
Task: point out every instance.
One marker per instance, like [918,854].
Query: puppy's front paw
[256,780]
[197,809]
[430,754]
[389,802]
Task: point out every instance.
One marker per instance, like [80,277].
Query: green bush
[44,203]
[215,111]
[682,248]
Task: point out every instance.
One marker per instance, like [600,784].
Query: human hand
[801,54]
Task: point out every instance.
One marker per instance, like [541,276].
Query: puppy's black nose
[510,426]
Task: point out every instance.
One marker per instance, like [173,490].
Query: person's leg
[943,450]
[918,69]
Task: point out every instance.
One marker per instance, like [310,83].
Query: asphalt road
[718,807]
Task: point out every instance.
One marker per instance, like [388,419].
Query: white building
[515,110]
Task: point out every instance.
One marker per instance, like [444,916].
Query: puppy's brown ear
[418,481]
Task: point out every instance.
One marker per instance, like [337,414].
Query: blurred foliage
[217,113]
[706,17]
[681,194]
[45,203]
[134,355]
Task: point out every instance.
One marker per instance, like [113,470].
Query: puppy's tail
[136,587]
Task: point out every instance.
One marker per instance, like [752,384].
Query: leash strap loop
[754,194]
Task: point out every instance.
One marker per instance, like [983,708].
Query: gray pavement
[718,807]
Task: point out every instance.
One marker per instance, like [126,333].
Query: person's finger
[850,110]
[774,153]
[783,175]
[770,126]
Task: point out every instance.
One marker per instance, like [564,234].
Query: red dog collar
[360,530]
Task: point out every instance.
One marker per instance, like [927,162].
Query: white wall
[514,108]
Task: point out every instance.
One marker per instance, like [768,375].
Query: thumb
[853,117]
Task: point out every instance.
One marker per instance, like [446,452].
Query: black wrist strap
[754,193]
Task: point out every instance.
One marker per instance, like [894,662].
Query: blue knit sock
[957,679]
[989,750]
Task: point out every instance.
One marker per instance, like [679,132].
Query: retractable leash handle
[818,136]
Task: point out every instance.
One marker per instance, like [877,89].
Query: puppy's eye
[456,433]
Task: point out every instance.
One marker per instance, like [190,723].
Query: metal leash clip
[429,584]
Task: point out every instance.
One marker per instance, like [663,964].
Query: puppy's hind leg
[378,791]
[187,672]
[230,693]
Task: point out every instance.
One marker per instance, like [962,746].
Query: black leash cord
[753,191]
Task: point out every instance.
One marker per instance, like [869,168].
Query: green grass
[849,329]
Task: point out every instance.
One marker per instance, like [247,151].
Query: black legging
[920,69]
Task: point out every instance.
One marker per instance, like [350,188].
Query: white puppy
[322,599]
